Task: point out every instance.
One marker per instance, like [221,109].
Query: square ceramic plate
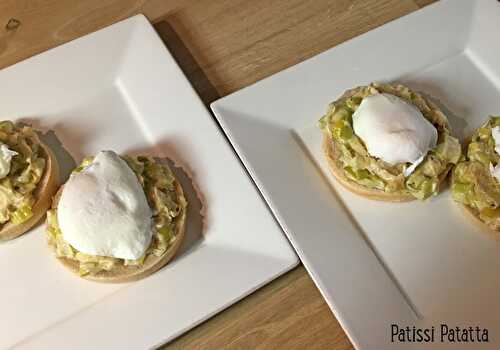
[120,89]
[417,263]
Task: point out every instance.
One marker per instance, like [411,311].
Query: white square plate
[418,263]
[120,89]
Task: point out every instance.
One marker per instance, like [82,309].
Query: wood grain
[288,313]
[239,42]
[222,46]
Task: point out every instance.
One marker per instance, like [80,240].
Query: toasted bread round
[474,217]
[338,172]
[332,156]
[122,273]
[472,213]
[43,194]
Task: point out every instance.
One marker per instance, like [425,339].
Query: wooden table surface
[222,46]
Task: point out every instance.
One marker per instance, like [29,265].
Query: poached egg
[495,170]
[394,130]
[103,210]
[5,159]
